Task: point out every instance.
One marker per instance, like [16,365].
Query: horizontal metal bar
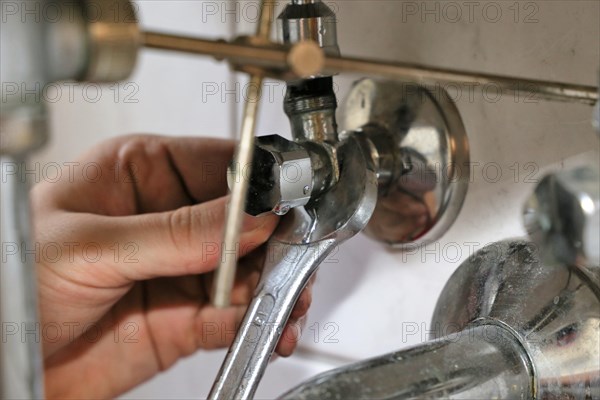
[524,88]
[240,52]
[274,58]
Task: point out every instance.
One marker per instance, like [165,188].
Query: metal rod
[241,52]
[526,89]
[273,58]
[225,275]
[21,361]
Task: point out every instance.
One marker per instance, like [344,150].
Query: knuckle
[181,228]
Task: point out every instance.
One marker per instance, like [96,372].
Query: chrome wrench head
[305,237]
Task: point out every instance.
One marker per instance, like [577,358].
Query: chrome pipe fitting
[506,326]
[313,20]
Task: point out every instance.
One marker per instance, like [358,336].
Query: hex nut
[281,171]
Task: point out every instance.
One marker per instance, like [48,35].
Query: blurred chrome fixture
[91,40]
[563,216]
[94,40]
[309,20]
[506,326]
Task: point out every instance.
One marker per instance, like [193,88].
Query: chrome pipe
[21,363]
[507,325]
[481,362]
[34,53]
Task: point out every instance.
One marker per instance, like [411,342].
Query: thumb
[184,241]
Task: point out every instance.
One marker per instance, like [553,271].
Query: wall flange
[421,149]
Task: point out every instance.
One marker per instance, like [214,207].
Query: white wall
[368,299]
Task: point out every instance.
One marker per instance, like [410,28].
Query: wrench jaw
[304,239]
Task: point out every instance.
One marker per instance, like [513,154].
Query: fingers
[202,164]
[199,163]
[182,242]
[188,240]
[142,174]
[290,337]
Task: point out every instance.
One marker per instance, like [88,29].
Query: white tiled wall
[368,300]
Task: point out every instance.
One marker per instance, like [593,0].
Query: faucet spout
[481,362]
[515,326]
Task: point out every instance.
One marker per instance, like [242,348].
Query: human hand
[127,239]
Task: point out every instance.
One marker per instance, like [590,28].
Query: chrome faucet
[506,326]
[35,52]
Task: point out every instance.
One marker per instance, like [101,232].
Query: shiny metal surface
[100,46]
[552,308]
[21,364]
[285,174]
[225,274]
[67,44]
[309,20]
[301,60]
[23,65]
[113,40]
[303,240]
[506,326]
[563,216]
[310,105]
[97,42]
[596,117]
[281,177]
[275,60]
[485,362]
[422,153]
